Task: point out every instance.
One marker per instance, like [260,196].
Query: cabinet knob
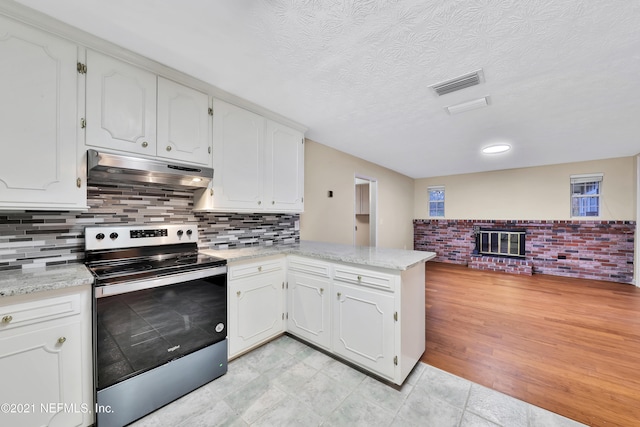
[273,202]
[145,144]
[238,293]
[7,319]
[62,340]
[339,294]
[359,278]
[168,148]
[260,268]
[259,202]
[321,291]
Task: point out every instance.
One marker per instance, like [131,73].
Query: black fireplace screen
[501,242]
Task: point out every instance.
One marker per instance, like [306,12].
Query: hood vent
[461,82]
[109,167]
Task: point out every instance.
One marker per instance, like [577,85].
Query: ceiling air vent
[461,82]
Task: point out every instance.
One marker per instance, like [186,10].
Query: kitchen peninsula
[364,305]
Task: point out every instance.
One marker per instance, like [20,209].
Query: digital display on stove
[139,234]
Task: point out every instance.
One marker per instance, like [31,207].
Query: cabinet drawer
[358,276]
[305,265]
[16,315]
[240,271]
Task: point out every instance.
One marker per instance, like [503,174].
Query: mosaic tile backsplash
[37,239]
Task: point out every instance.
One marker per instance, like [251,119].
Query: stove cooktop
[117,254]
[118,271]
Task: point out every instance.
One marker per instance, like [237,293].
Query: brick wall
[601,250]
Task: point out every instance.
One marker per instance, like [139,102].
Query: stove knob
[180,233]
[99,236]
[113,236]
[189,232]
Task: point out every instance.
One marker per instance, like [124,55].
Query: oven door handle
[138,285]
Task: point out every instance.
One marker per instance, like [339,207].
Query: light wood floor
[571,346]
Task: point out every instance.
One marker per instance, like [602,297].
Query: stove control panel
[114,237]
[159,232]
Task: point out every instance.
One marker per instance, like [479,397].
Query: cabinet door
[42,368]
[256,307]
[39,163]
[238,140]
[284,168]
[308,308]
[362,199]
[363,327]
[121,106]
[183,123]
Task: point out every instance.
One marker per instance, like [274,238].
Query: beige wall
[332,219]
[532,193]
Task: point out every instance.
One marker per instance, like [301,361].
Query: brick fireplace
[601,250]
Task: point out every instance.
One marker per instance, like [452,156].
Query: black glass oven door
[141,330]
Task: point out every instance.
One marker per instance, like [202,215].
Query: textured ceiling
[563,76]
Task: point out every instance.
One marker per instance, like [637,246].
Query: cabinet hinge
[287,316]
[209,150]
[211,111]
[282,316]
[302,141]
[83,123]
[79,182]
[287,285]
[395,316]
[82,68]
[282,285]
[395,360]
[302,199]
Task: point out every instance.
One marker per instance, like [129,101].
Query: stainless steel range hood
[109,167]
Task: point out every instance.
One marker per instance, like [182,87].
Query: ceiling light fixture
[468,106]
[496,149]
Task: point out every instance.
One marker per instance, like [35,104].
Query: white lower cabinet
[308,305]
[45,359]
[371,317]
[256,303]
[364,329]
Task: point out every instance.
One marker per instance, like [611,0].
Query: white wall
[332,219]
[532,193]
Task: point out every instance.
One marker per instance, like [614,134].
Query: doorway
[365,212]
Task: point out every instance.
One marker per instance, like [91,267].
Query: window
[436,201]
[585,195]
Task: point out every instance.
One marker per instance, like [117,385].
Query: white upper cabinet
[183,123]
[238,144]
[127,105]
[40,165]
[258,164]
[284,168]
[121,106]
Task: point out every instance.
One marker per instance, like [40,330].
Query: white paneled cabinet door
[41,368]
[308,307]
[284,174]
[183,123]
[39,163]
[121,106]
[238,143]
[256,304]
[363,327]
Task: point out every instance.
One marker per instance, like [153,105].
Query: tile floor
[287,383]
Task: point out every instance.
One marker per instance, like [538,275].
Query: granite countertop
[17,282]
[394,259]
